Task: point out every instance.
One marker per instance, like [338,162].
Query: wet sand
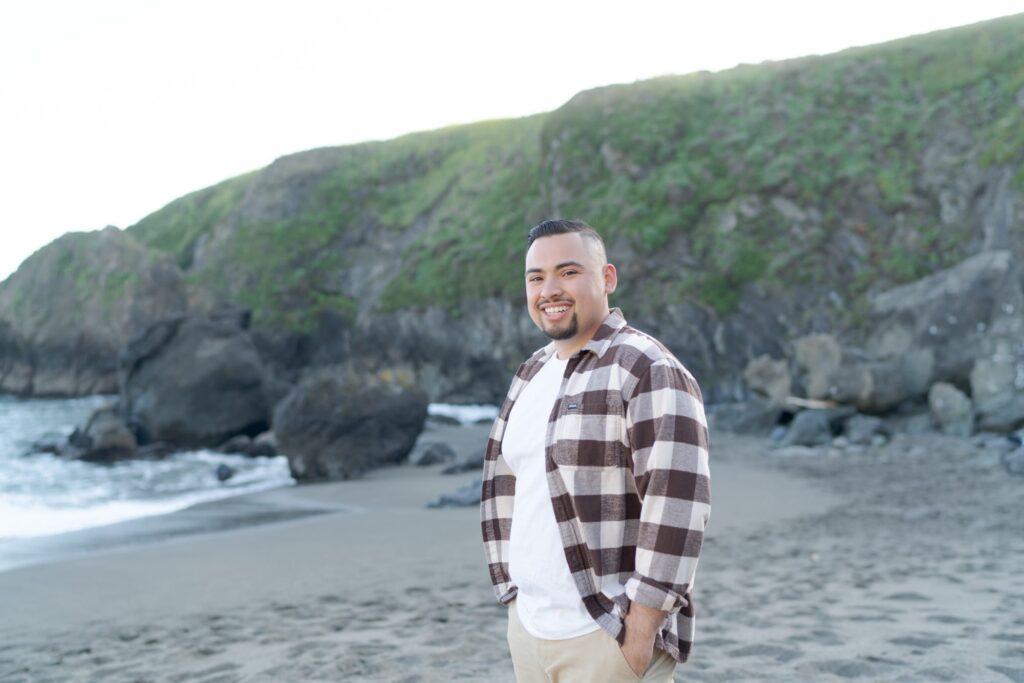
[898,564]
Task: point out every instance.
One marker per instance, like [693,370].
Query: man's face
[567,288]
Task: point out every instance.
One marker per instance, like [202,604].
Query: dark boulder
[224,472]
[260,446]
[755,416]
[239,445]
[337,426]
[194,382]
[264,445]
[809,428]
[105,438]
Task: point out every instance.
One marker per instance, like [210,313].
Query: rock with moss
[73,304]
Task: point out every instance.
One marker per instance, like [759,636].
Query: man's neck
[566,348]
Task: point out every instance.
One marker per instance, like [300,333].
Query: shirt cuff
[646,592]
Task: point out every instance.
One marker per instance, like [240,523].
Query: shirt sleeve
[668,438]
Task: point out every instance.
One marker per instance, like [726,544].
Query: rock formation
[72,305]
[195,381]
[336,425]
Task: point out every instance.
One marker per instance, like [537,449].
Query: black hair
[562,226]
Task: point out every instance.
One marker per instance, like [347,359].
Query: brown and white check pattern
[627,469]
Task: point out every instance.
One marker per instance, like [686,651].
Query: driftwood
[798,402]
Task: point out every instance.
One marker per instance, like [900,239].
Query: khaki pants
[592,658]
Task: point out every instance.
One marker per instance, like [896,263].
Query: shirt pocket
[590,432]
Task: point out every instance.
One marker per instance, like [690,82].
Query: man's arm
[668,439]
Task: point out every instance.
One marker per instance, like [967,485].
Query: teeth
[556,309]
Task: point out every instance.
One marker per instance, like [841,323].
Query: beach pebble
[861,429]
[464,497]
[469,465]
[1014,461]
[236,444]
[778,432]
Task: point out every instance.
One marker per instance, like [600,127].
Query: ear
[611,278]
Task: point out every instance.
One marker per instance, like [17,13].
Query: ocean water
[465,414]
[45,495]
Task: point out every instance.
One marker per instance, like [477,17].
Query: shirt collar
[602,338]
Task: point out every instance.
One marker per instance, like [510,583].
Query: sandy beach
[902,563]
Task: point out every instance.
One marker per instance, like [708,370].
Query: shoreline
[292,504]
[274,506]
[888,566]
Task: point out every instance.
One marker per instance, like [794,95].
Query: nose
[551,289]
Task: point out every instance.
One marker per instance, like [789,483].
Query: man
[596,486]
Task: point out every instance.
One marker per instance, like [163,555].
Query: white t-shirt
[548,601]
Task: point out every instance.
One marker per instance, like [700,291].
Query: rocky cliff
[745,209]
[71,306]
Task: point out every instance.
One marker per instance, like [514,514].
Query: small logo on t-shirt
[573,406]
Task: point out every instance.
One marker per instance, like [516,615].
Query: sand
[904,563]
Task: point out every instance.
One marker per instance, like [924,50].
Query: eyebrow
[563,264]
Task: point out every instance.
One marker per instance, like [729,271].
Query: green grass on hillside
[658,164]
[176,227]
[428,193]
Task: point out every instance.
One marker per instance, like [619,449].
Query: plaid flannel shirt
[627,468]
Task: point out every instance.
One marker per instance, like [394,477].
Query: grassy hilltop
[825,170]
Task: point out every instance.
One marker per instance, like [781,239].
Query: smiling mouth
[556,312]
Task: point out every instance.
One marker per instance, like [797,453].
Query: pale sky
[109,110]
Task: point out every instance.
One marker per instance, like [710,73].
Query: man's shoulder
[649,363]
[631,345]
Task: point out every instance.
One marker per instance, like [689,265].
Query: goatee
[569,332]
